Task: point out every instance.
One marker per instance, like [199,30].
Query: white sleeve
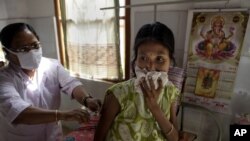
[11,104]
[67,82]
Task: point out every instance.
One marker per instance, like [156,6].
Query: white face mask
[153,74]
[29,60]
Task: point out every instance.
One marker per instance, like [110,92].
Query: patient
[143,108]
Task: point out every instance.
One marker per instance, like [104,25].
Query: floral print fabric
[135,122]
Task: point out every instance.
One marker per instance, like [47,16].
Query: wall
[42,17]
[175,16]
[32,12]
[18,8]
[9,17]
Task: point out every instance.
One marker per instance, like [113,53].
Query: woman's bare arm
[109,111]
[167,126]
[173,114]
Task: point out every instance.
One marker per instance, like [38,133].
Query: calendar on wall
[213,54]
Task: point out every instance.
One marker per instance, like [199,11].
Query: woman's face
[153,56]
[22,39]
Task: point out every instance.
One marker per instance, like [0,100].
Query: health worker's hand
[94,104]
[79,115]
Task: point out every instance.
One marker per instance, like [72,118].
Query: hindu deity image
[215,44]
[207,81]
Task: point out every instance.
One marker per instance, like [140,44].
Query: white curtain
[92,39]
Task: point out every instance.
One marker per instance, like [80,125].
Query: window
[90,46]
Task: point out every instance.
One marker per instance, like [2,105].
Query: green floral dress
[135,122]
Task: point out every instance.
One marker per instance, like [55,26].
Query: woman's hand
[150,93]
[94,104]
[79,115]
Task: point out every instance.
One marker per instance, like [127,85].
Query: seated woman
[143,108]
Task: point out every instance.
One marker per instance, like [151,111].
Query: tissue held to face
[152,60]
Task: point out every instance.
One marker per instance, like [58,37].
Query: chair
[177,77]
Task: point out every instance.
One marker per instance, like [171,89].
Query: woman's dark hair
[155,32]
[8,32]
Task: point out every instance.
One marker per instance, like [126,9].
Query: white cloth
[140,73]
[17,92]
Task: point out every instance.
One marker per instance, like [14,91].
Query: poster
[214,49]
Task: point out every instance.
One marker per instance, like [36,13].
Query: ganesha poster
[213,54]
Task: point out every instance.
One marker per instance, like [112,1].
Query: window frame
[61,44]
